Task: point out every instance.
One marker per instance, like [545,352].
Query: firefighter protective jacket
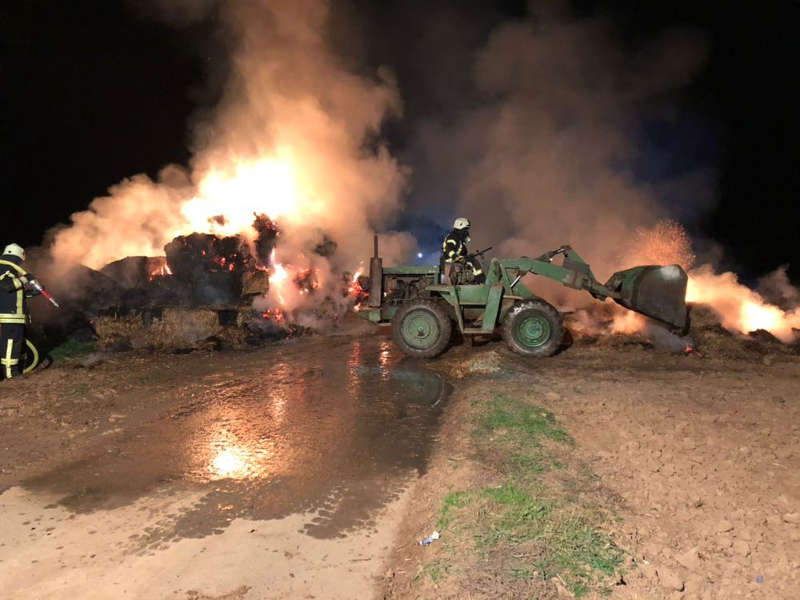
[13,278]
[454,246]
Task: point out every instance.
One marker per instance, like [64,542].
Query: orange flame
[161,271]
[628,322]
[355,290]
[740,308]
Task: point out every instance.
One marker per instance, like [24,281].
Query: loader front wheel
[533,328]
[422,328]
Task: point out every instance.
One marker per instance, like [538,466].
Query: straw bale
[175,328]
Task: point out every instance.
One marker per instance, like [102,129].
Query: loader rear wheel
[422,328]
[533,328]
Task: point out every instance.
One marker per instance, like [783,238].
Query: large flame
[740,308]
[228,199]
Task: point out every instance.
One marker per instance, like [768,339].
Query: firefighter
[15,286]
[454,251]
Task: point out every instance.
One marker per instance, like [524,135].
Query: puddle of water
[337,427]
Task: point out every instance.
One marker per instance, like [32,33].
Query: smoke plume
[295,137]
[549,153]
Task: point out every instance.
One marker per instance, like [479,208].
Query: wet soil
[330,429]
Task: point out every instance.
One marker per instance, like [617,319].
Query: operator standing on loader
[454,250]
[15,285]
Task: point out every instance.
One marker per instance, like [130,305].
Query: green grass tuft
[452,501]
[72,349]
[520,421]
[436,570]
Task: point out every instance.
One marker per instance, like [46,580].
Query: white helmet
[15,250]
[461,223]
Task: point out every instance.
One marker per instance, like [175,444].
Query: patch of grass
[436,571]
[523,573]
[526,515]
[451,501]
[579,552]
[518,421]
[72,349]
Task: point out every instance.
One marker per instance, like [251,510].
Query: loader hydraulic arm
[656,291]
[573,272]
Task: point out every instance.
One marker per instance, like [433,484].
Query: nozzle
[38,287]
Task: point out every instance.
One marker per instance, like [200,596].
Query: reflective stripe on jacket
[13,306]
[453,248]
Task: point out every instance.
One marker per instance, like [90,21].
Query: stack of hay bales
[172,329]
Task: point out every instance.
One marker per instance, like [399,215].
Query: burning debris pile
[709,335]
[210,291]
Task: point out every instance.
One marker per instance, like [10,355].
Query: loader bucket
[654,291]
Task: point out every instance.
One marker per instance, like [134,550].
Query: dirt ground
[699,455]
[704,455]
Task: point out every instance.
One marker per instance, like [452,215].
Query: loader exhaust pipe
[375,276]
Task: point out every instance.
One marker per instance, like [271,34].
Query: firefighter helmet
[461,223]
[15,250]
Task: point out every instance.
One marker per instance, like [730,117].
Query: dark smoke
[548,149]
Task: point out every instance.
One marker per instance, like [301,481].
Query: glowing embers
[274,314]
[666,243]
[355,289]
[224,264]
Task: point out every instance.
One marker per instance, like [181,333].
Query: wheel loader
[422,310]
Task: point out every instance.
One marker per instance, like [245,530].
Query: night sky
[96,91]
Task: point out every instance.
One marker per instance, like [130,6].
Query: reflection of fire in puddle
[383,360]
[240,462]
[237,461]
[229,464]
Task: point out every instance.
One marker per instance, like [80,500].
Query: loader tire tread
[539,311]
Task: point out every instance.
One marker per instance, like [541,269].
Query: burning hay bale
[210,266]
[198,271]
[136,271]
